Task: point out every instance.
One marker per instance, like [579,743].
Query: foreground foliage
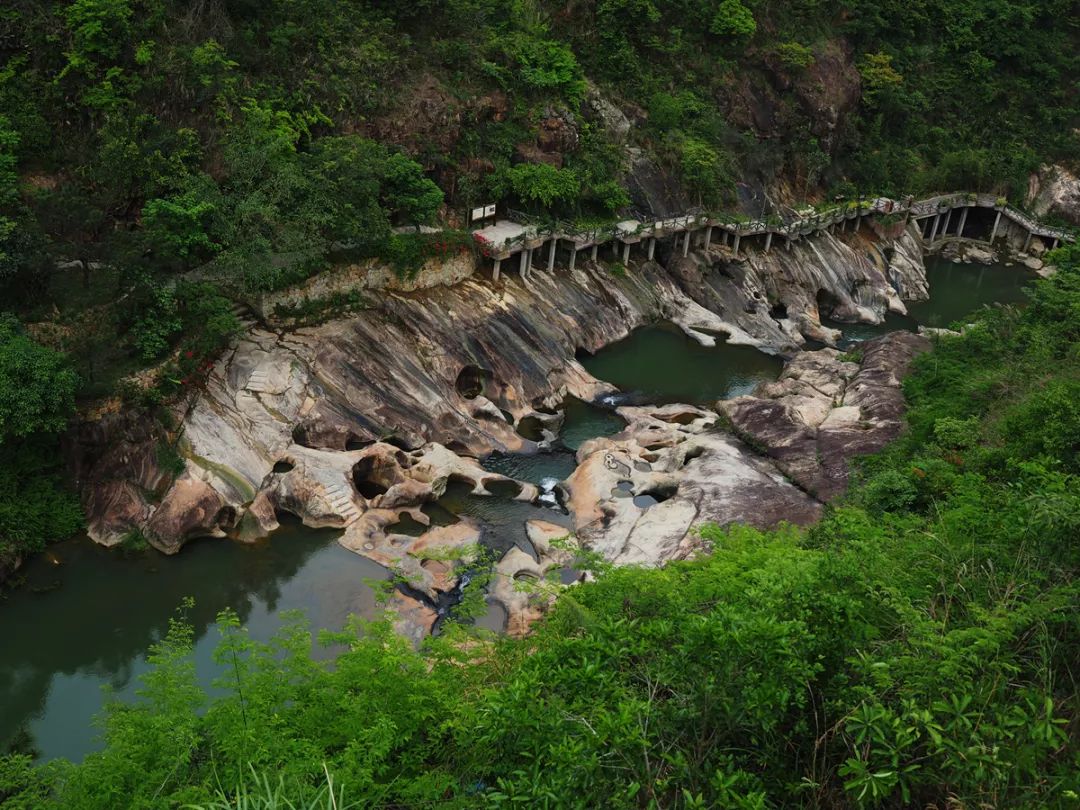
[37,395]
[917,647]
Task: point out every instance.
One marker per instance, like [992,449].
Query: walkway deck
[506,238]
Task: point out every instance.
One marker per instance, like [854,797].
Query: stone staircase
[340,498]
[243,314]
[258,381]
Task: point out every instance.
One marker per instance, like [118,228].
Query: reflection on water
[101,612]
[664,365]
[956,290]
[583,421]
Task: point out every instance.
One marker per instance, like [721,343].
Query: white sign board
[483,213]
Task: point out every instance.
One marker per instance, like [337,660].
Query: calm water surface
[956,290]
[86,616]
[663,365]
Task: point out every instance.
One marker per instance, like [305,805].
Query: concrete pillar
[934,230]
[997,221]
[1054,246]
[1027,242]
[595,250]
[615,249]
[686,244]
[735,249]
[858,223]
[573,256]
[948,220]
[652,247]
[523,269]
[725,240]
[843,226]
[708,237]
[768,241]
[788,242]
[551,255]
[495,273]
[626,253]
[963,221]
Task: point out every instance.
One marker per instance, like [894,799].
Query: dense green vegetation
[37,394]
[250,144]
[916,648]
[160,160]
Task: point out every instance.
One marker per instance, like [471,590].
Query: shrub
[795,55]
[543,184]
[889,491]
[733,19]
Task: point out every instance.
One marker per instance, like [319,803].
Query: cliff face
[359,420]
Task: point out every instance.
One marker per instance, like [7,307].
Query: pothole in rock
[692,453]
[400,443]
[283,466]
[373,476]
[354,442]
[653,496]
[407,525]
[494,618]
[471,381]
[569,575]
[501,488]
[531,428]
[682,418]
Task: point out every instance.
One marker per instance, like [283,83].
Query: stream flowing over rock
[363,420]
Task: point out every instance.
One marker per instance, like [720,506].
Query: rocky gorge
[361,422]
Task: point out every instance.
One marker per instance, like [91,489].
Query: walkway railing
[533,231]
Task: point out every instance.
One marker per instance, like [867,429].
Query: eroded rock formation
[825,410]
[358,423]
[636,496]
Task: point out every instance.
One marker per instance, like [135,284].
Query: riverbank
[53,697]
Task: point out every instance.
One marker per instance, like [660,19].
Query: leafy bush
[889,491]
[795,55]
[37,385]
[543,184]
[733,19]
[548,66]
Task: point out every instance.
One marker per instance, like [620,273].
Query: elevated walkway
[507,238]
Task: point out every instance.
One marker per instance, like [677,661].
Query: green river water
[83,618]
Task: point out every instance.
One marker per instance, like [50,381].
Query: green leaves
[37,387]
[733,19]
[543,184]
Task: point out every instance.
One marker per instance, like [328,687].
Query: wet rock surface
[824,411]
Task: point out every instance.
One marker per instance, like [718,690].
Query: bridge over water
[507,239]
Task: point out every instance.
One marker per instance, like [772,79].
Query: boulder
[1055,191]
[193,508]
[863,407]
[637,496]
